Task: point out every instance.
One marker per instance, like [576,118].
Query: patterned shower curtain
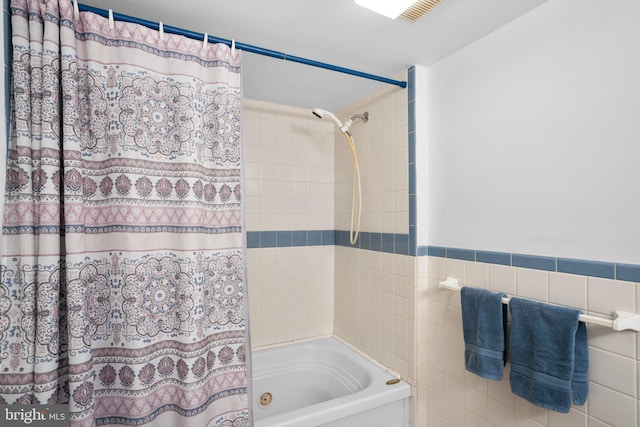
[122,271]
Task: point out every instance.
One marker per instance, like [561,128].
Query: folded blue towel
[549,355]
[484,321]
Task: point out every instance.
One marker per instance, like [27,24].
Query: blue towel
[484,321]
[549,355]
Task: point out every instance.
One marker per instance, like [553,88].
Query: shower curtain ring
[112,23]
[161,30]
[205,40]
[76,9]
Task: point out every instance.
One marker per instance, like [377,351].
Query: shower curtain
[122,271]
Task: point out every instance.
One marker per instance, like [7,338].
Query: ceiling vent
[419,9]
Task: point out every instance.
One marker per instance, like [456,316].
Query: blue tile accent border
[607,270]
[253,239]
[387,243]
[380,242]
[341,237]
[501,258]
[412,191]
[401,244]
[412,240]
[437,251]
[268,239]
[411,78]
[314,237]
[376,241]
[628,272]
[365,240]
[328,237]
[284,239]
[421,251]
[534,261]
[463,254]
[288,238]
[299,238]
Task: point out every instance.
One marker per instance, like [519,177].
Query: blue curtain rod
[241,46]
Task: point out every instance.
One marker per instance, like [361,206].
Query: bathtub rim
[378,393]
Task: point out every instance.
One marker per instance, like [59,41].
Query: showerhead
[320,113]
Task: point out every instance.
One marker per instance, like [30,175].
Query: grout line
[370,359]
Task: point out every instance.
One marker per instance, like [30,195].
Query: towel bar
[621,320]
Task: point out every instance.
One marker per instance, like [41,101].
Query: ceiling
[333,31]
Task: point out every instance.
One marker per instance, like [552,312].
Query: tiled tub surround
[289,159]
[375,306]
[375,280]
[448,395]
[290,293]
[298,172]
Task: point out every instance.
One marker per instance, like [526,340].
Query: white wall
[534,136]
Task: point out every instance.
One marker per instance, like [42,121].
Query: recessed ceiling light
[389,8]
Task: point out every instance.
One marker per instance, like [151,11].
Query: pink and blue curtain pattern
[122,273]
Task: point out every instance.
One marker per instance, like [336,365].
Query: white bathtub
[324,383]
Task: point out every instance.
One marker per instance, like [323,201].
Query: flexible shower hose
[354,231]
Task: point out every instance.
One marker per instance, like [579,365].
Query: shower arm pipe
[242,46]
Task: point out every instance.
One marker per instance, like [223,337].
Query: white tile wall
[298,172]
[382,148]
[374,306]
[290,294]
[288,157]
[288,168]
[375,292]
[568,289]
[468,400]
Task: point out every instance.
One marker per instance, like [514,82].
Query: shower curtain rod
[242,46]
